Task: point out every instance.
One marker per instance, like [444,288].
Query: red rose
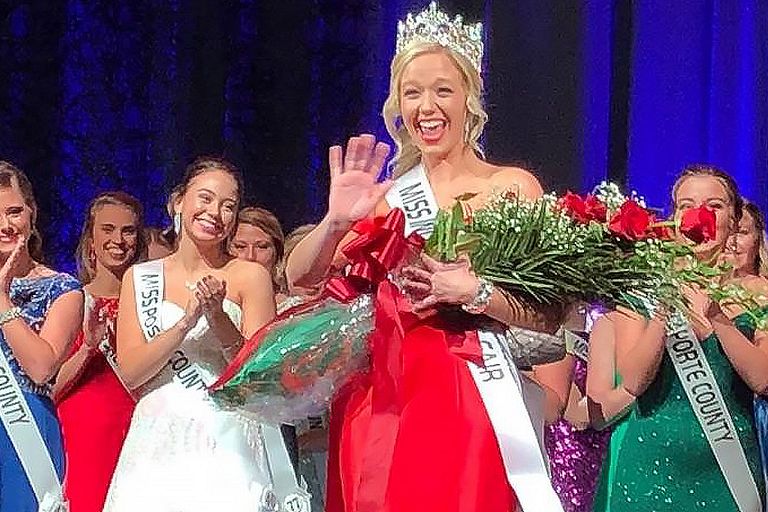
[596,210]
[698,224]
[574,206]
[632,221]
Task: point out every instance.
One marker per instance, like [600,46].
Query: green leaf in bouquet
[451,235]
[467,242]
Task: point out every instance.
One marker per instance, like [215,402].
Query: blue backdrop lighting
[120,95]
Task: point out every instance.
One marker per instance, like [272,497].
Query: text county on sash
[149,284]
[704,395]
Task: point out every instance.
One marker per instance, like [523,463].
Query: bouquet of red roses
[600,248]
[595,249]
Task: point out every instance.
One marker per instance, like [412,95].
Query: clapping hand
[211,292]
[11,266]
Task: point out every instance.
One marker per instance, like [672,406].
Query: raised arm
[354,192]
[607,400]
[644,342]
[39,354]
[139,360]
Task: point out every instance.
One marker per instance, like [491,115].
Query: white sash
[291,493]
[413,194]
[149,290]
[519,432]
[28,443]
[713,416]
[148,282]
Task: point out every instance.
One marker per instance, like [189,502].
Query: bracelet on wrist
[10,314]
[482,298]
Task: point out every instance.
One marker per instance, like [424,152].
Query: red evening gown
[416,438]
[95,413]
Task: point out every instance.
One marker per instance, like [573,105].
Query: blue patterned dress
[34,296]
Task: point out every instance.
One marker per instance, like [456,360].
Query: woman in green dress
[667,454]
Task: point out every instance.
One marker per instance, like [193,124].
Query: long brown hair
[86,271]
[9,174]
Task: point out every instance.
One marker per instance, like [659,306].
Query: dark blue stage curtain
[699,93]
[98,95]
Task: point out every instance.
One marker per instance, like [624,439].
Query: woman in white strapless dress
[183,453]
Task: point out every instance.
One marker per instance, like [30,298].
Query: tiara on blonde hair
[435,26]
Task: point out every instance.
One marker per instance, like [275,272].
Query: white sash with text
[713,416]
[148,284]
[28,442]
[518,431]
[413,194]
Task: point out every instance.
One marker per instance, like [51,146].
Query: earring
[177,223]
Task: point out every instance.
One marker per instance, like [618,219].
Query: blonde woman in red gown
[94,406]
[421,434]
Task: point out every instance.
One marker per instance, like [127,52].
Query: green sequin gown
[659,459]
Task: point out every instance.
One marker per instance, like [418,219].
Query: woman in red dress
[93,405]
[420,433]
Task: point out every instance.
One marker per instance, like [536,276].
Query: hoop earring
[177,223]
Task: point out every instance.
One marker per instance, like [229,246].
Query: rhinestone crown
[435,26]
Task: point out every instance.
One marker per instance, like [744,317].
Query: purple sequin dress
[575,457]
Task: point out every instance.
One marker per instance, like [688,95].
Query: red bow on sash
[379,248]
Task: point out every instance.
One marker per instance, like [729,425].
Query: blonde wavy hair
[408,154]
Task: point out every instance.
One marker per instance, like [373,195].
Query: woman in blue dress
[40,315]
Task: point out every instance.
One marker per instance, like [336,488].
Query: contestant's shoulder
[247,272]
[517,179]
[57,282]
